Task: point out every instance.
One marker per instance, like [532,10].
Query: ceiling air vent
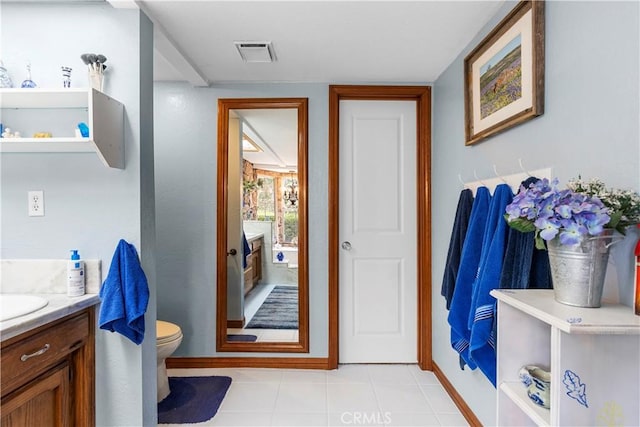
[256,51]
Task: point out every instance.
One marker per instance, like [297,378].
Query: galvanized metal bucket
[578,271]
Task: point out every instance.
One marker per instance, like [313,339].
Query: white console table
[593,355]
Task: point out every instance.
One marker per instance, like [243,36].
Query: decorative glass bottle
[28,83]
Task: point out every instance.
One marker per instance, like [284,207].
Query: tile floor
[352,395]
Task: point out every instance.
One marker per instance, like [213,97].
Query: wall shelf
[103,115]
[599,345]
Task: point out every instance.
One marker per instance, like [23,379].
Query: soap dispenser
[75,275]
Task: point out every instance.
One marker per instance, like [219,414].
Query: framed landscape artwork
[504,74]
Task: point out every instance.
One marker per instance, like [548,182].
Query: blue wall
[89,206]
[589,128]
[185,150]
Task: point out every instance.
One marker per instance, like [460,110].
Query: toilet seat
[166,332]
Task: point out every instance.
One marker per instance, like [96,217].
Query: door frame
[422,96]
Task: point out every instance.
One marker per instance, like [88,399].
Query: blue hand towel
[524,266]
[517,260]
[458,233]
[124,294]
[502,196]
[482,313]
[246,250]
[461,301]
[540,275]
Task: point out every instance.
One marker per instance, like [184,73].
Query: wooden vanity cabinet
[48,374]
[43,402]
[253,272]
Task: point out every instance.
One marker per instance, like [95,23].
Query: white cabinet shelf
[518,395]
[601,346]
[63,109]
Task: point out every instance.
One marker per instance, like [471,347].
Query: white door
[378,232]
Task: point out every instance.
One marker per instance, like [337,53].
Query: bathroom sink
[16,305]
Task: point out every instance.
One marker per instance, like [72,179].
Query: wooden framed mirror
[262,256]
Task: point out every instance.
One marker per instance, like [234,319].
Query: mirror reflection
[265,211]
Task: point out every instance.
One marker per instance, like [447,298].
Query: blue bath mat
[192,399]
[241,338]
[278,311]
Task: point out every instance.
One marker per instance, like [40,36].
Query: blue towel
[524,266]
[517,260]
[461,301]
[458,233]
[482,313]
[246,250]
[540,275]
[124,295]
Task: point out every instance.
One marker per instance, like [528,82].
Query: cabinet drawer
[29,357]
[256,245]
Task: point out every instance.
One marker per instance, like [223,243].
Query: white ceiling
[314,41]
[275,131]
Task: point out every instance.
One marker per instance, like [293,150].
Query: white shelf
[518,394]
[600,347]
[44,98]
[46,145]
[539,303]
[104,116]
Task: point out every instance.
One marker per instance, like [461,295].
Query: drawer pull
[43,350]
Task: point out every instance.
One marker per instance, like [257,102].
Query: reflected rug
[192,399]
[241,338]
[278,311]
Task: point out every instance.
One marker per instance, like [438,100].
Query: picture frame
[504,74]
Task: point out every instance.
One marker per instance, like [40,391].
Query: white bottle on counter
[75,275]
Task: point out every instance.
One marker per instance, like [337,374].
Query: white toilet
[168,338]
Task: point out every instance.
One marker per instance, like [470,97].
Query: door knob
[346,245]
[232,252]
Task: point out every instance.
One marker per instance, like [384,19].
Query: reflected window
[266,209]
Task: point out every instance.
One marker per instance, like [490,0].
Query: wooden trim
[303,224]
[221,224]
[333,230]
[235,323]
[467,413]
[248,362]
[224,106]
[422,96]
[424,229]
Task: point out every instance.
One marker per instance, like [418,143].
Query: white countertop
[60,305]
[253,236]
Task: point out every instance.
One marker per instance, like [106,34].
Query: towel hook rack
[478,179]
[495,170]
[462,182]
[522,167]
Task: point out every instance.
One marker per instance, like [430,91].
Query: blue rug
[192,399]
[278,311]
[241,338]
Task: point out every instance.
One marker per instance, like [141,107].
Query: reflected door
[378,308]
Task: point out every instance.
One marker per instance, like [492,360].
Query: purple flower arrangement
[549,212]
